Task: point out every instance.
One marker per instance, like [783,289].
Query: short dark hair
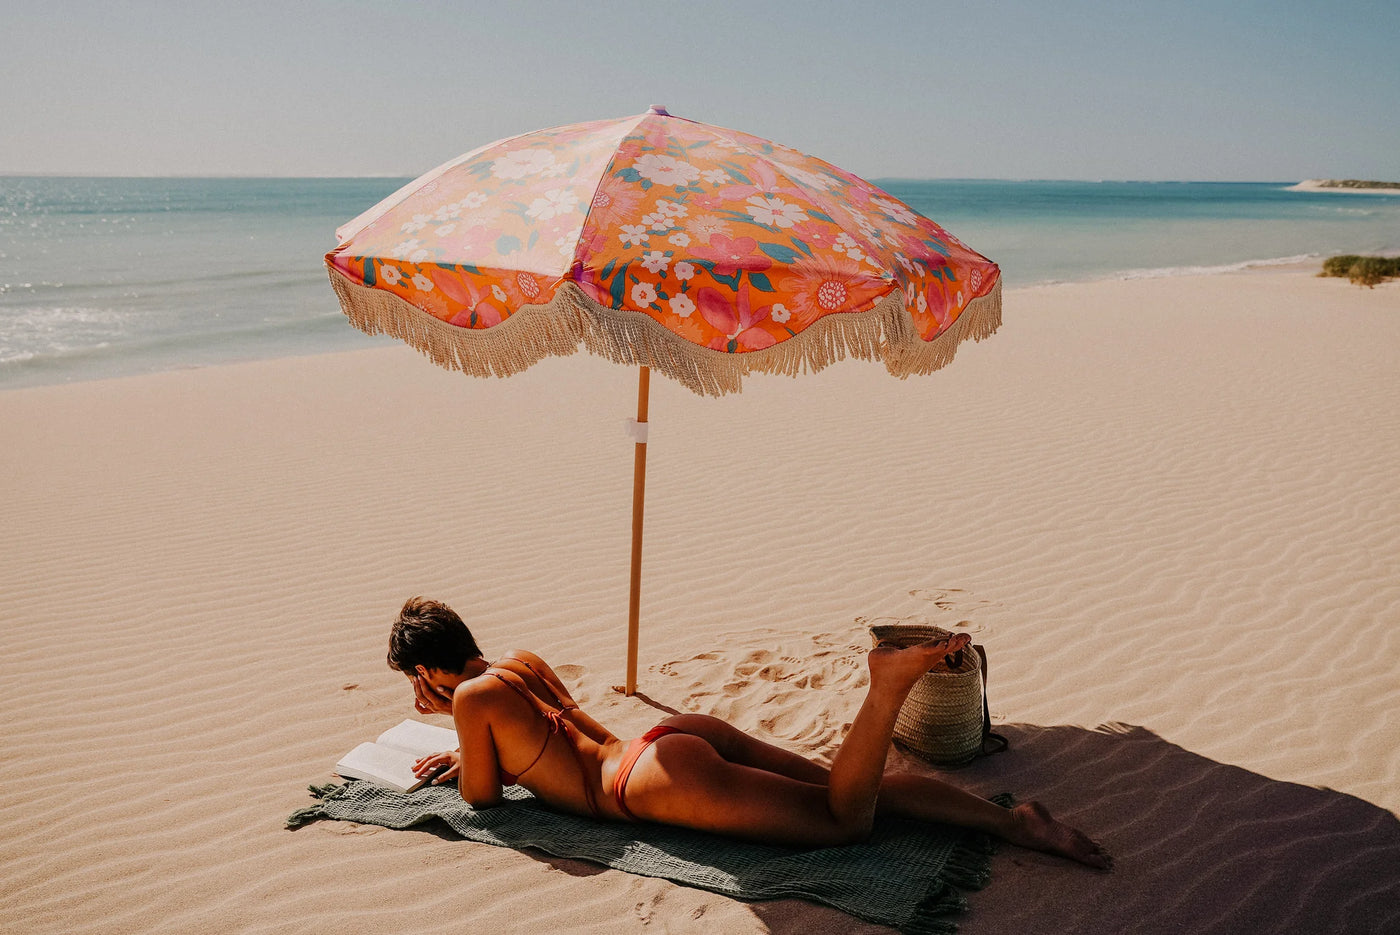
[430,634]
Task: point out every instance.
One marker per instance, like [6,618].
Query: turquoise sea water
[105,277]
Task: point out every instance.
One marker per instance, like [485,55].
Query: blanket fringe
[316,812]
[572,319]
[968,868]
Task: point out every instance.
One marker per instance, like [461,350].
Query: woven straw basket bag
[944,719]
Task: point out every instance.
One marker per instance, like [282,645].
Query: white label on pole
[637,431]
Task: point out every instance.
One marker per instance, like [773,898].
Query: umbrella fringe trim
[572,319]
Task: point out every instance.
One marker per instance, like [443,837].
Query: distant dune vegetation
[1362,270]
[1355,183]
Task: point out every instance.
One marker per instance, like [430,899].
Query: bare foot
[1034,827]
[899,668]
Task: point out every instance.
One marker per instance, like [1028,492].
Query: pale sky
[1067,89]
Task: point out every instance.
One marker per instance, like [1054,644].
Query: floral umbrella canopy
[703,253]
[700,252]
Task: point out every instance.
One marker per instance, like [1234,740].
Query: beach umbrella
[702,253]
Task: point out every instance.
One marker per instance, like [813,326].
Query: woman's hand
[452,759]
[429,700]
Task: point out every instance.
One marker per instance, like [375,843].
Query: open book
[388,761]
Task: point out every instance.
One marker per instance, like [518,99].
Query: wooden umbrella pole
[639,489]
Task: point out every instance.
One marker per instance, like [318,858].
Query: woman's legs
[684,780]
[904,795]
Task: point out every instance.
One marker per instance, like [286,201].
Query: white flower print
[715,176]
[423,283]
[448,212]
[566,244]
[643,294]
[895,210]
[974,279]
[960,299]
[633,235]
[914,268]
[922,304]
[683,271]
[810,179]
[775,212]
[473,201]
[390,275]
[522,163]
[672,209]
[657,221]
[665,170]
[418,256]
[655,261]
[419,222]
[682,306]
[779,313]
[403,249]
[679,239]
[555,201]
[442,230]
[706,226]
[554,171]
[498,292]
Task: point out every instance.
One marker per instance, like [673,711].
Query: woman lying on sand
[516,723]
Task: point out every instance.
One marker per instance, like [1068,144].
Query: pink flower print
[682,306]
[611,207]
[830,283]
[655,261]
[706,226]
[527,284]
[390,275]
[732,254]
[736,321]
[643,295]
[683,271]
[488,315]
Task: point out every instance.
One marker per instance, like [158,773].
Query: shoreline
[208,356]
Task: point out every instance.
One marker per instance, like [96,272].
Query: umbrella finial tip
[658,109]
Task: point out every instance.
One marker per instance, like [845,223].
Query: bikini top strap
[557,724]
[553,697]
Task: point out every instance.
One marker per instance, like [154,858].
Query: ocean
[105,277]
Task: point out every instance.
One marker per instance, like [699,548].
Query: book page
[418,738]
[379,764]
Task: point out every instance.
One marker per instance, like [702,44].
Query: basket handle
[998,741]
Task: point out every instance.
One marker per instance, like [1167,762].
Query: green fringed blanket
[907,875]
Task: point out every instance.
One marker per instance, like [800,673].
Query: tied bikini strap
[554,718]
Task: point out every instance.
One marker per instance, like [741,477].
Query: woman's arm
[480,781]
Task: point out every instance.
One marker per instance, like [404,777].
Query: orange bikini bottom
[629,759]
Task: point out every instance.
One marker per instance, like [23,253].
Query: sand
[1170,509]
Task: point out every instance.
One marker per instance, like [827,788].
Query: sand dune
[1168,505]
